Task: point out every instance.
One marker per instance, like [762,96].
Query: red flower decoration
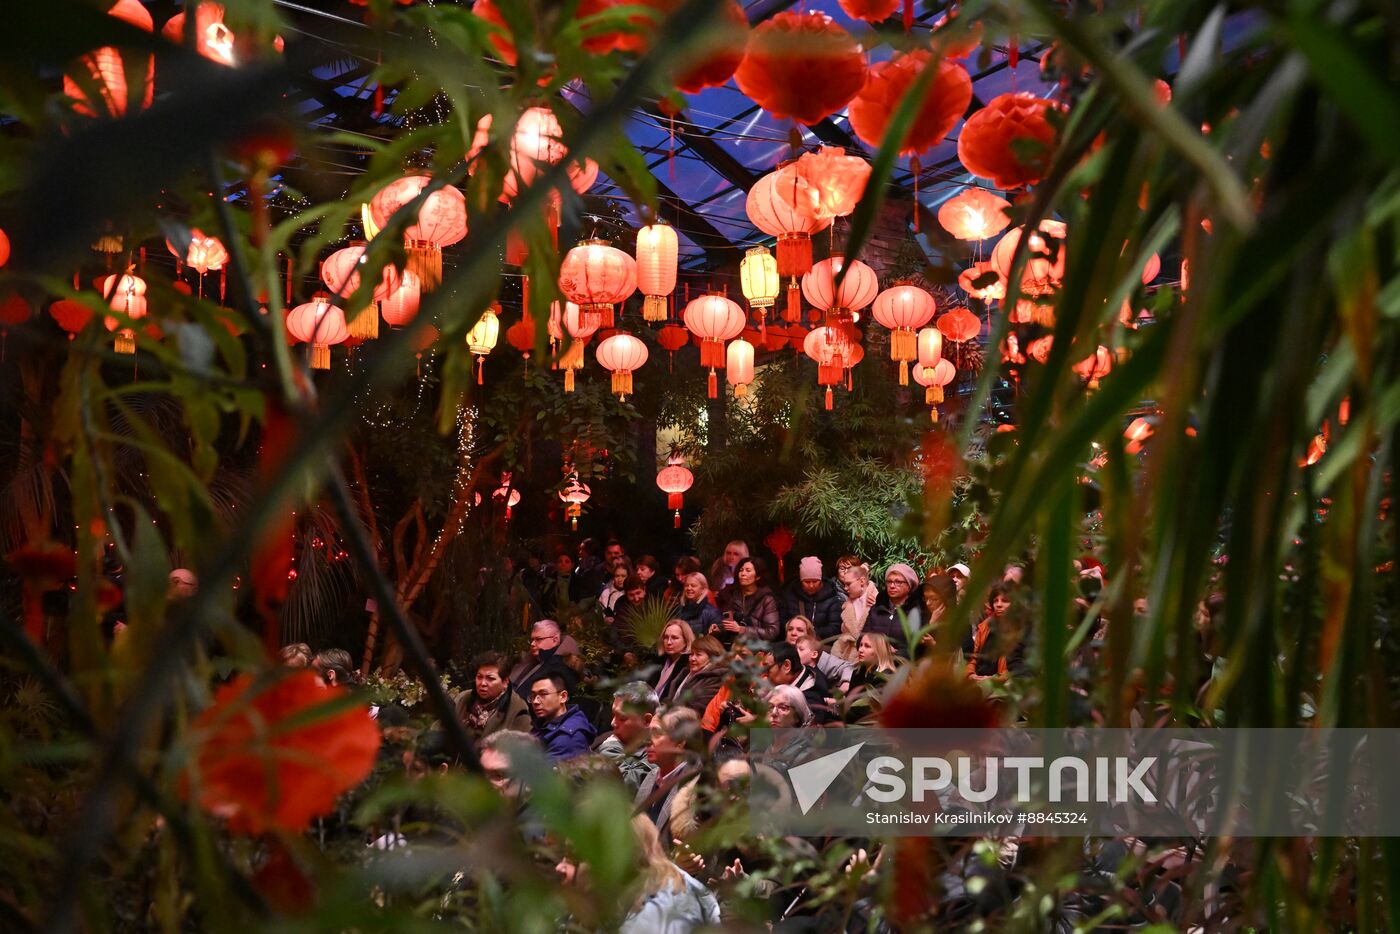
[872,11]
[801,65]
[945,102]
[1010,140]
[265,760]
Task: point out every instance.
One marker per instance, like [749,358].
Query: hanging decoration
[959,324]
[1045,257]
[481,339]
[596,275]
[758,280]
[4,248]
[672,337]
[1095,366]
[780,542]
[400,306]
[441,221]
[657,251]
[521,335]
[320,324]
[106,69]
[213,38]
[579,330]
[1009,141]
[70,315]
[771,211]
[833,348]
[823,185]
[933,379]
[955,46]
[621,354]
[930,351]
[872,11]
[574,494]
[126,294]
[903,308]
[993,291]
[801,66]
[674,479]
[974,214]
[944,103]
[738,367]
[341,274]
[204,254]
[842,306]
[713,319]
[722,55]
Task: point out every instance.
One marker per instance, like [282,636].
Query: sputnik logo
[810,780]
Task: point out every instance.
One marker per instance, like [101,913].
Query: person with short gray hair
[634,705]
[544,658]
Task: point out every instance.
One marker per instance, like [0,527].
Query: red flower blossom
[265,760]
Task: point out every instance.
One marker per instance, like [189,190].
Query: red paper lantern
[574,494]
[903,308]
[4,248]
[713,319]
[580,328]
[822,185]
[71,315]
[738,366]
[974,214]
[127,294]
[674,479]
[621,354]
[835,349]
[959,324]
[944,103]
[596,276]
[106,68]
[801,66]
[842,306]
[872,11]
[1039,349]
[320,324]
[204,254]
[401,305]
[993,143]
[720,57]
[672,337]
[933,379]
[771,211]
[341,273]
[657,249]
[442,221]
[521,334]
[1045,257]
[502,41]
[1096,366]
[955,48]
[992,292]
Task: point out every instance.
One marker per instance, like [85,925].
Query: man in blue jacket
[561,727]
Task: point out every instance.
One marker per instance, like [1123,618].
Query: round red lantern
[713,319]
[801,65]
[401,305]
[521,334]
[127,294]
[738,366]
[536,144]
[4,248]
[596,276]
[341,272]
[933,379]
[903,308]
[71,315]
[771,211]
[442,221]
[872,11]
[842,305]
[834,348]
[1095,367]
[107,70]
[1009,141]
[320,324]
[959,46]
[993,291]
[719,58]
[674,479]
[622,354]
[822,185]
[574,494]
[1045,257]
[580,328]
[959,324]
[204,253]
[672,337]
[930,351]
[657,250]
[944,103]
[974,214]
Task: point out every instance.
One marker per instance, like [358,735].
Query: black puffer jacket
[823,609]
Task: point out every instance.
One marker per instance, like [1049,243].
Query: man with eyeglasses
[544,658]
[561,727]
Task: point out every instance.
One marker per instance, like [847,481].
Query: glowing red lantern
[320,324]
[672,337]
[834,349]
[574,494]
[4,248]
[126,294]
[714,319]
[536,144]
[1010,140]
[1039,349]
[341,273]
[872,11]
[401,305]
[213,39]
[621,354]
[1045,256]
[107,70]
[944,103]
[801,65]
[738,366]
[657,250]
[596,275]
[1138,431]
[204,254]
[974,214]
[930,348]
[903,308]
[1095,367]
[441,221]
[521,334]
[71,315]
[994,291]
[770,209]
[580,328]
[822,185]
[959,324]
[933,379]
[674,479]
[842,306]
[722,55]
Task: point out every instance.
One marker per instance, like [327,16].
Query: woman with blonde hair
[669,900]
[673,645]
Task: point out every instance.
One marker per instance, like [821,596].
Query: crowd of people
[670,717]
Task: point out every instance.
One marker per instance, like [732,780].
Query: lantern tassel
[654,308]
[622,383]
[365,325]
[479,366]
[569,379]
[714,386]
[933,415]
[903,373]
[126,341]
[915,167]
[424,260]
[677,523]
[828,398]
[793,313]
[320,356]
[741,390]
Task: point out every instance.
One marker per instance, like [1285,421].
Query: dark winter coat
[758,612]
[823,609]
